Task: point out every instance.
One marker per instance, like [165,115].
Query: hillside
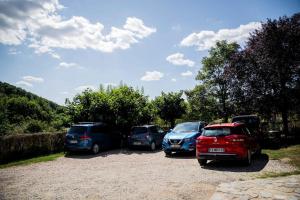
[22,111]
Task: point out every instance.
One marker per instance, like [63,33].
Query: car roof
[88,124]
[200,122]
[245,116]
[229,125]
[144,126]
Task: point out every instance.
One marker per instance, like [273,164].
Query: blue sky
[57,48]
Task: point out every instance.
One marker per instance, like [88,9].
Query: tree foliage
[23,111]
[121,106]
[213,76]
[170,106]
[265,75]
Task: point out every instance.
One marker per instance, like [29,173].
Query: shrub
[28,145]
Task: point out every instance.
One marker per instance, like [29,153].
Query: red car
[227,141]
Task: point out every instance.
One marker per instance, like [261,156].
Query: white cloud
[24,83]
[84,87]
[65,65]
[39,24]
[178,59]
[204,40]
[187,73]
[33,79]
[152,76]
[64,93]
[173,79]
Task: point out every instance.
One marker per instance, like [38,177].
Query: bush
[28,145]
[34,126]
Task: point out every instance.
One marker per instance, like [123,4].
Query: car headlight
[188,139]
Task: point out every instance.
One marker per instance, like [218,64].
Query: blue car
[146,136]
[91,136]
[183,137]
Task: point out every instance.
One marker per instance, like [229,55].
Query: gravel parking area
[126,174]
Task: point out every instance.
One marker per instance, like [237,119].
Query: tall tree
[201,105]
[213,74]
[170,106]
[268,68]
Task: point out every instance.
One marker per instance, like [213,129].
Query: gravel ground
[124,174]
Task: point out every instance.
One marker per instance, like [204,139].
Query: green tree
[201,104]
[170,106]
[268,70]
[213,74]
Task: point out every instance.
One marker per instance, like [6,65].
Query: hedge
[15,147]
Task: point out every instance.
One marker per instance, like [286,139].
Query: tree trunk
[284,115]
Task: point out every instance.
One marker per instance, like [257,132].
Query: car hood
[181,135]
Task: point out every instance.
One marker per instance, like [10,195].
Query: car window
[79,130]
[187,127]
[153,129]
[216,132]
[139,130]
[160,130]
[98,129]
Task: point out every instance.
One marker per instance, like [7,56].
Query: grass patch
[38,159]
[291,153]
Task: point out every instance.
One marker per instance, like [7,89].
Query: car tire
[95,148]
[168,154]
[153,146]
[248,159]
[202,162]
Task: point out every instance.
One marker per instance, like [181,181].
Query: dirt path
[123,174]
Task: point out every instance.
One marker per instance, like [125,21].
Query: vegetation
[290,154]
[121,107]
[23,112]
[170,106]
[32,160]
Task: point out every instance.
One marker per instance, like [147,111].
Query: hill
[22,111]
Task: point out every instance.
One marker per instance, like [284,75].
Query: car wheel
[168,154]
[248,159]
[152,146]
[202,162]
[95,149]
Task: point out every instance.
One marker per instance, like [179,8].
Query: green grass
[38,159]
[291,153]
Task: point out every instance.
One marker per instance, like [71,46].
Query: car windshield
[216,132]
[186,127]
[139,130]
[79,130]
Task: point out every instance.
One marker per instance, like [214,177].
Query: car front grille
[175,141]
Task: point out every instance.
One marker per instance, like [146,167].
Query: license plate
[175,146]
[216,150]
[73,141]
[137,143]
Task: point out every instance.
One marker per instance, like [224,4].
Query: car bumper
[139,143]
[218,156]
[77,147]
[185,147]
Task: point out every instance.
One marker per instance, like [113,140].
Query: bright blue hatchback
[183,137]
[91,136]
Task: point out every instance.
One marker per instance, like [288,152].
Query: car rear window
[79,130]
[139,130]
[216,132]
[224,131]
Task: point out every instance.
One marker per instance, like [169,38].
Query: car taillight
[84,137]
